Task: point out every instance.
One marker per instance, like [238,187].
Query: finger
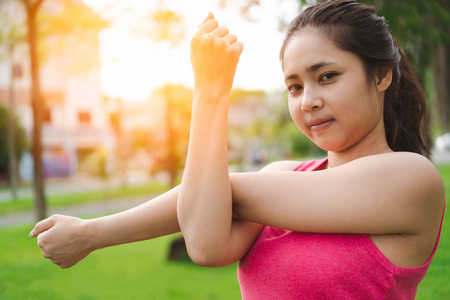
[42,226]
[230,38]
[220,31]
[208,26]
[238,46]
[210,16]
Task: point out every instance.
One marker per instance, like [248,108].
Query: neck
[374,143]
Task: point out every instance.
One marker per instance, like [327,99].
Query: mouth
[318,124]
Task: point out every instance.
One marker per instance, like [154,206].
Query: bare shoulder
[282,165]
[410,165]
[410,170]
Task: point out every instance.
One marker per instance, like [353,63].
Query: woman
[364,225]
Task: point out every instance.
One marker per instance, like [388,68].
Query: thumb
[210,16]
[42,226]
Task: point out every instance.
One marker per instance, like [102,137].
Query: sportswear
[284,264]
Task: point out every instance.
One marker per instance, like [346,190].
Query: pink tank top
[296,265]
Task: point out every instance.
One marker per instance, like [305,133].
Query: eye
[294,88]
[328,76]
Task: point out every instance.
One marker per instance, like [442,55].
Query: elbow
[203,260]
[205,257]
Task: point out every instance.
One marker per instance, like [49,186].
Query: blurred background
[95,100]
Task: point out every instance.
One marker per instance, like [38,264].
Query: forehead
[311,47]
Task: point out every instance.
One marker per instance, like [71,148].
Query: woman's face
[330,97]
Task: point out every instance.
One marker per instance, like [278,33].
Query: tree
[421,27]
[166,26]
[64,25]
[173,135]
[20,140]
[11,34]
[32,8]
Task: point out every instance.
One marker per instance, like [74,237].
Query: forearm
[155,218]
[204,203]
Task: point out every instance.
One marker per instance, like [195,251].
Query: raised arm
[205,199]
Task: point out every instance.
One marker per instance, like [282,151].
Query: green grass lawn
[436,284]
[135,271]
[141,271]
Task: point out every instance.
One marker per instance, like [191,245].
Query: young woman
[363,223]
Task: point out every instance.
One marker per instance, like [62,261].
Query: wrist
[89,229]
[212,96]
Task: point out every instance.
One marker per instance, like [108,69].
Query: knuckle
[54,217]
[40,242]
[214,23]
[224,29]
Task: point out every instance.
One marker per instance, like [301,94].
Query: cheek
[297,116]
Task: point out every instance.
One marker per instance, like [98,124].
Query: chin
[330,147]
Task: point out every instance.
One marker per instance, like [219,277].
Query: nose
[311,100]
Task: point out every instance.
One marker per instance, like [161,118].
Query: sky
[132,66]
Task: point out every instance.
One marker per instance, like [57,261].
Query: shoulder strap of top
[312,165]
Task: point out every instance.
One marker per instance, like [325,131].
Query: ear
[384,78]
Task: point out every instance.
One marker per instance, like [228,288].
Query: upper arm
[381,194]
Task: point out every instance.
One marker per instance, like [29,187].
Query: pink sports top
[297,265]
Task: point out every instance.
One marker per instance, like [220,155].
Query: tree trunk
[36,102]
[172,160]
[441,65]
[12,129]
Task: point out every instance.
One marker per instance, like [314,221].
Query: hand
[63,239]
[214,57]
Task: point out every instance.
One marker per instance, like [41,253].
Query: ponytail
[405,111]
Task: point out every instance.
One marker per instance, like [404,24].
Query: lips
[317,124]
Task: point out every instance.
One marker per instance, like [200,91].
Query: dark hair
[356,28]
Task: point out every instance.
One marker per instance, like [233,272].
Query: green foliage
[20,139]
[70,30]
[170,140]
[239,96]
[97,164]
[417,25]
[301,146]
[268,128]
[12,25]
[58,22]
[169,26]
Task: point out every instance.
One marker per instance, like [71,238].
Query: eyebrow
[311,69]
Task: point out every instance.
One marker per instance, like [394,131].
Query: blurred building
[76,122]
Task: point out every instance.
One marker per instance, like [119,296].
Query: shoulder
[412,173]
[409,165]
[283,165]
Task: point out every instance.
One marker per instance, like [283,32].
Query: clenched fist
[214,56]
[63,239]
